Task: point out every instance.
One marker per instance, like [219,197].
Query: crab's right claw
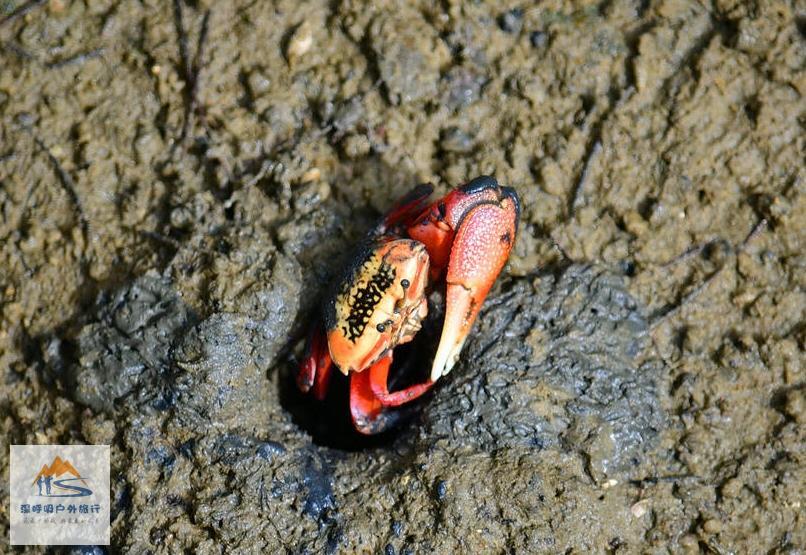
[479,251]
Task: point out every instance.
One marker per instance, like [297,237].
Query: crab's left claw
[483,239]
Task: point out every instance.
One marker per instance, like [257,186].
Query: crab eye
[380,327]
[404,283]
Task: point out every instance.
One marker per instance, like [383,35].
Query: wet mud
[179,181]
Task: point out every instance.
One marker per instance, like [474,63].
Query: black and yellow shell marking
[360,294]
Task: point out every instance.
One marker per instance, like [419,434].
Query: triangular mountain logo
[57,468]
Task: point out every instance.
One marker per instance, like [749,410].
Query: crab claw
[486,217]
[315,369]
[370,397]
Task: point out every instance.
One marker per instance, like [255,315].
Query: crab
[379,301]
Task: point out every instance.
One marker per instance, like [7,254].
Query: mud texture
[178,181]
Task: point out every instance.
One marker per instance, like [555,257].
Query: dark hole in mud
[752,108]
[328,422]
[728,30]
[646,206]
[800,23]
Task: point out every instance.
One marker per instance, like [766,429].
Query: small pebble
[397,528]
[689,541]
[712,526]
[300,42]
[538,39]
[732,487]
[87,550]
[270,449]
[639,509]
[313,174]
[259,84]
[455,140]
[356,146]
[56,6]
[442,490]
[795,405]
[25,119]
[511,21]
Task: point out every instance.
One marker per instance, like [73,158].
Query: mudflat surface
[178,181]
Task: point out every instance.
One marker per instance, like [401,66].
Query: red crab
[379,301]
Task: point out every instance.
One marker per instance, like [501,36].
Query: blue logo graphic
[50,484]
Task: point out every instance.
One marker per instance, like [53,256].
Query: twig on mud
[18,251]
[22,10]
[556,244]
[688,253]
[191,69]
[67,184]
[593,147]
[652,480]
[19,51]
[760,226]
[161,238]
[197,60]
[75,59]
[195,76]
[596,148]
[665,313]
[184,57]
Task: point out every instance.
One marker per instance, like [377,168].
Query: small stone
[397,528]
[25,119]
[732,487]
[410,55]
[259,84]
[356,146]
[270,449]
[454,139]
[635,224]
[538,39]
[300,42]
[712,526]
[463,87]
[442,490]
[511,21]
[639,509]
[689,541]
[794,405]
[56,6]
[313,174]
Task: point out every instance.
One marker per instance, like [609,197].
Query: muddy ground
[178,181]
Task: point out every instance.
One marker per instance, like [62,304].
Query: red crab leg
[479,251]
[378,381]
[316,366]
[408,207]
[369,397]
[365,408]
